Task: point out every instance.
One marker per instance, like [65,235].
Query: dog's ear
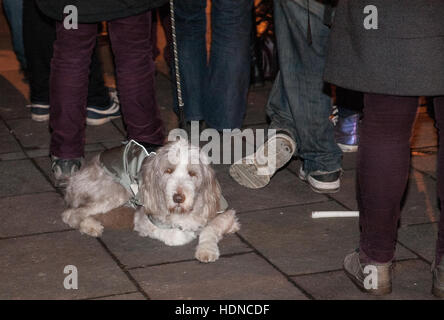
[211,191]
[149,192]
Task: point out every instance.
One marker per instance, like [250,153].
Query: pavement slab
[33,268]
[240,277]
[12,101]
[21,177]
[7,141]
[283,190]
[421,239]
[426,163]
[135,251]
[297,244]
[30,214]
[412,280]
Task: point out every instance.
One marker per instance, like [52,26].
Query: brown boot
[438,280]
[380,281]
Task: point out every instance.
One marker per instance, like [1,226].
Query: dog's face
[179,176]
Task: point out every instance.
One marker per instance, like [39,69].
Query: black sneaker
[322,182]
[63,169]
[39,112]
[97,116]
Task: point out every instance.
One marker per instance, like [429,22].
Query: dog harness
[123,164]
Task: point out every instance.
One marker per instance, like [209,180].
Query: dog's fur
[91,194]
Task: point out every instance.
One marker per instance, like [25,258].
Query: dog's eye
[192,173]
[169,171]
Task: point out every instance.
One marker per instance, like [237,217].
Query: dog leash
[182,123]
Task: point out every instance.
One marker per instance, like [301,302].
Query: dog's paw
[207,252]
[175,237]
[70,218]
[91,227]
[235,225]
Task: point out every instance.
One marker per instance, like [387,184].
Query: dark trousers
[131,44]
[383,170]
[39,35]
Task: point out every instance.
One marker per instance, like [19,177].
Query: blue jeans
[297,102]
[14,13]
[215,91]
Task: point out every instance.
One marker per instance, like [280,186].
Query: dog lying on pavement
[174,192]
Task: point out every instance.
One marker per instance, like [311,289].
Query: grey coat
[404,56]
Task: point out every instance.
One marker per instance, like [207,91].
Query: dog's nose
[178,198]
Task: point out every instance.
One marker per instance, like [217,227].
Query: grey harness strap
[123,164]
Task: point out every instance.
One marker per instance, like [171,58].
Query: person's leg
[229,65]
[439,115]
[14,14]
[301,90]
[70,67]
[191,44]
[131,45]
[39,35]
[383,169]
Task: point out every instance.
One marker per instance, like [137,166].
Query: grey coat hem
[388,69]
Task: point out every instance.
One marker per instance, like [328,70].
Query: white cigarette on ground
[334,214]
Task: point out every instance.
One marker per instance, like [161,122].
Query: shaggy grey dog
[179,199]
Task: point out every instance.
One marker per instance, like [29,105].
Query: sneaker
[355,270]
[346,133]
[322,182]
[249,173]
[39,112]
[63,169]
[438,280]
[97,116]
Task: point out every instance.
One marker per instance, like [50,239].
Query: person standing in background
[129,29]
[393,51]
[14,14]
[214,88]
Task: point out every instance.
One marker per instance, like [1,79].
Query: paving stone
[21,177]
[104,133]
[425,163]
[420,239]
[412,281]
[421,201]
[129,296]
[238,277]
[7,141]
[12,156]
[284,189]
[134,251]
[28,214]
[298,244]
[31,134]
[32,268]
[12,101]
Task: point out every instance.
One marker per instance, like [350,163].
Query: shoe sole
[40,117]
[99,122]
[375,292]
[347,148]
[318,190]
[246,173]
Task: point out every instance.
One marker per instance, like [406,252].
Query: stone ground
[279,253]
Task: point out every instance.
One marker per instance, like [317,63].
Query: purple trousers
[131,44]
[383,170]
